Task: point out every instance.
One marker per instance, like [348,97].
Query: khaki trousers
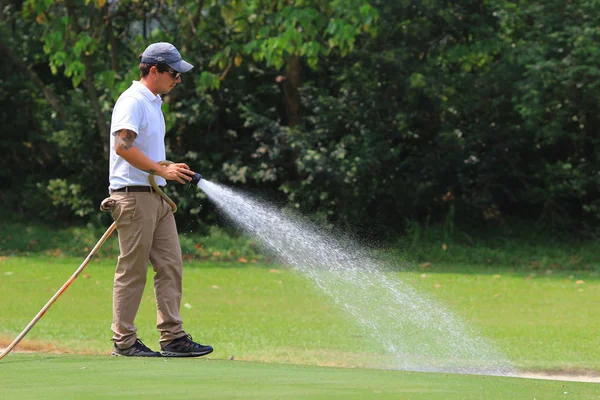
[147,233]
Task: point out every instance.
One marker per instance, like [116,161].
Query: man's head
[161,67]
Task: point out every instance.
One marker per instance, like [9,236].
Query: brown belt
[127,189]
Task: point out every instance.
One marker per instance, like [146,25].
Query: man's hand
[125,148]
[179,172]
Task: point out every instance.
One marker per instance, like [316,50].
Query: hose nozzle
[196,179]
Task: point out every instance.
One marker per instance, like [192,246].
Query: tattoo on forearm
[124,138]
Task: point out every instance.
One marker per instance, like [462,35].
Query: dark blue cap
[165,53]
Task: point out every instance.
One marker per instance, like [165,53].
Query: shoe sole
[194,354]
[125,355]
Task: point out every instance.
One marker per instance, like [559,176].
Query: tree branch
[194,20]
[49,94]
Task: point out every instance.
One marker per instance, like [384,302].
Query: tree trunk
[88,82]
[101,125]
[112,40]
[289,84]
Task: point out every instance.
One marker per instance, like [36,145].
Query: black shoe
[138,349]
[185,347]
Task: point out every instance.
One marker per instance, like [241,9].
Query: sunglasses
[174,74]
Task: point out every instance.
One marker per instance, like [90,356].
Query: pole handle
[64,287]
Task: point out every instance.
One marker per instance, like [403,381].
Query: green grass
[26,376]
[535,297]
[267,318]
[272,314]
[541,320]
[253,313]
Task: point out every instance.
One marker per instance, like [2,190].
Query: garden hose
[159,190]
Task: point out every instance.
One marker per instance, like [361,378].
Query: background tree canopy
[360,113]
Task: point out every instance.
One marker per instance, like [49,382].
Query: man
[145,222]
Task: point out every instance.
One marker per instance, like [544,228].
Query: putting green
[42,376]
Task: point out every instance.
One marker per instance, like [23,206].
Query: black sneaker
[185,347]
[138,349]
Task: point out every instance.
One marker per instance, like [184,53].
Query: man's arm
[125,148]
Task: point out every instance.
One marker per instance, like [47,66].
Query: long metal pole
[64,287]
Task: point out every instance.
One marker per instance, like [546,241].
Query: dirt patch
[29,346]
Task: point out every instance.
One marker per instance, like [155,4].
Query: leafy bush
[364,117]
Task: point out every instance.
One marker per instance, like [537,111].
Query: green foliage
[36,238]
[310,29]
[64,194]
[558,101]
[471,112]
[514,244]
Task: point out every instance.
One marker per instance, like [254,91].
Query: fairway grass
[35,376]
[271,314]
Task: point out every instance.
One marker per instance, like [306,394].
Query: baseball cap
[165,53]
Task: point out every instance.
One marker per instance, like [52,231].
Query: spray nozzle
[196,179]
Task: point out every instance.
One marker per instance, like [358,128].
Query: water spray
[411,330]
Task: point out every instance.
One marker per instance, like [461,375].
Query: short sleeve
[127,114]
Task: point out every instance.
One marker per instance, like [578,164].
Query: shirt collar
[139,86]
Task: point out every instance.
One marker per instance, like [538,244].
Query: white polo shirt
[137,109]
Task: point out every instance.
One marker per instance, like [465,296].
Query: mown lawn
[38,376]
[273,333]
[269,313]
